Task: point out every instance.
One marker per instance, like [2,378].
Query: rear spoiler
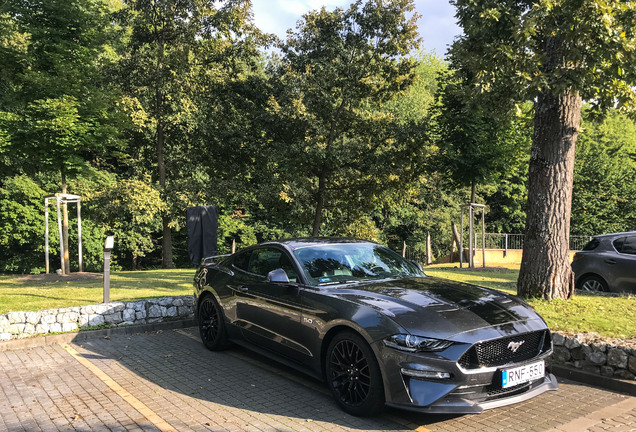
[210,260]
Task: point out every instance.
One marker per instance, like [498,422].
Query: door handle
[610,261]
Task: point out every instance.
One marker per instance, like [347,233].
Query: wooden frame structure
[472,246]
[61,199]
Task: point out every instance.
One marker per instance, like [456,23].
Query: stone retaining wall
[596,355]
[18,325]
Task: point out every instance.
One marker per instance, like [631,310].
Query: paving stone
[194,389]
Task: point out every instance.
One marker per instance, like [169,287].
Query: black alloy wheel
[353,375]
[211,324]
[593,284]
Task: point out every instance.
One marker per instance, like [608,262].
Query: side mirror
[418,265]
[277,276]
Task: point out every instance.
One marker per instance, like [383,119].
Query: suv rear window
[592,244]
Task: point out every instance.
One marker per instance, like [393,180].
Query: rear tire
[593,284]
[212,324]
[353,375]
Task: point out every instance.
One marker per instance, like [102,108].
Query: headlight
[411,343]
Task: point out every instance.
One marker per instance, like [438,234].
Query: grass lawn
[607,316]
[18,294]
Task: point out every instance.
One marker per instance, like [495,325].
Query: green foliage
[131,211]
[22,226]
[604,197]
[332,142]
[56,90]
[509,47]
[474,147]
[50,135]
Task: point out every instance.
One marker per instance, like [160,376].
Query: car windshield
[352,262]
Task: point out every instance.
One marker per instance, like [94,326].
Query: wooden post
[483,237]
[506,246]
[46,235]
[233,245]
[59,226]
[404,249]
[429,250]
[461,241]
[79,237]
[471,230]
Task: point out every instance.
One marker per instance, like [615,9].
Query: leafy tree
[604,197]
[56,100]
[178,51]
[130,210]
[22,228]
[331,143]
[556,53]
[474,147]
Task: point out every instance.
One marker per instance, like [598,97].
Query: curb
[608,383]
[38,341]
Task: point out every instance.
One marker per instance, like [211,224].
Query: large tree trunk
[67,262]
[545,269]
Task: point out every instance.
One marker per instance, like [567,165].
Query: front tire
[212,324]
[593,284]
[353,375]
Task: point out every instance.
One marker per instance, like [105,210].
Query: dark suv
[607,263]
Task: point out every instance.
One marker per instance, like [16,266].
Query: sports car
[374,326]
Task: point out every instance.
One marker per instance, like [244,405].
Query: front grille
[498,352]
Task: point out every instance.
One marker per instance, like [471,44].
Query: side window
[264,261]
[629,245]
[242,260]
[618,244]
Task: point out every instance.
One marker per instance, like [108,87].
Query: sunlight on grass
[607,316]
[16,294]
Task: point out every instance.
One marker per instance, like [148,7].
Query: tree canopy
[555,53]
[345,128]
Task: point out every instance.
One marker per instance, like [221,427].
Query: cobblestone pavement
[167,381]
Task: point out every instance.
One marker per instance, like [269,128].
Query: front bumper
[454,404]
[461,391]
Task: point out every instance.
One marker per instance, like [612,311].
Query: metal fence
[515,241]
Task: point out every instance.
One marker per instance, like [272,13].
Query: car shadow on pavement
[175,376]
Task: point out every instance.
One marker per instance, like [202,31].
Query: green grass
[608,316]
[16,294]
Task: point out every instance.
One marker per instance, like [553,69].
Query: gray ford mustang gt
[374,327]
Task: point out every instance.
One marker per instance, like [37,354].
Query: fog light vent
[425,374]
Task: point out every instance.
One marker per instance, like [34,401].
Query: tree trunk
[545,270]
[166,243]
[67,262]
[473,192]
[320,203]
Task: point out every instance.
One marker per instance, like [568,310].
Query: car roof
[295,243]
[601,236]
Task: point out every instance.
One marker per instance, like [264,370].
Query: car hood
[445,309]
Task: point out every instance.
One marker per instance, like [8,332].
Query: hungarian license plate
[522,374]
